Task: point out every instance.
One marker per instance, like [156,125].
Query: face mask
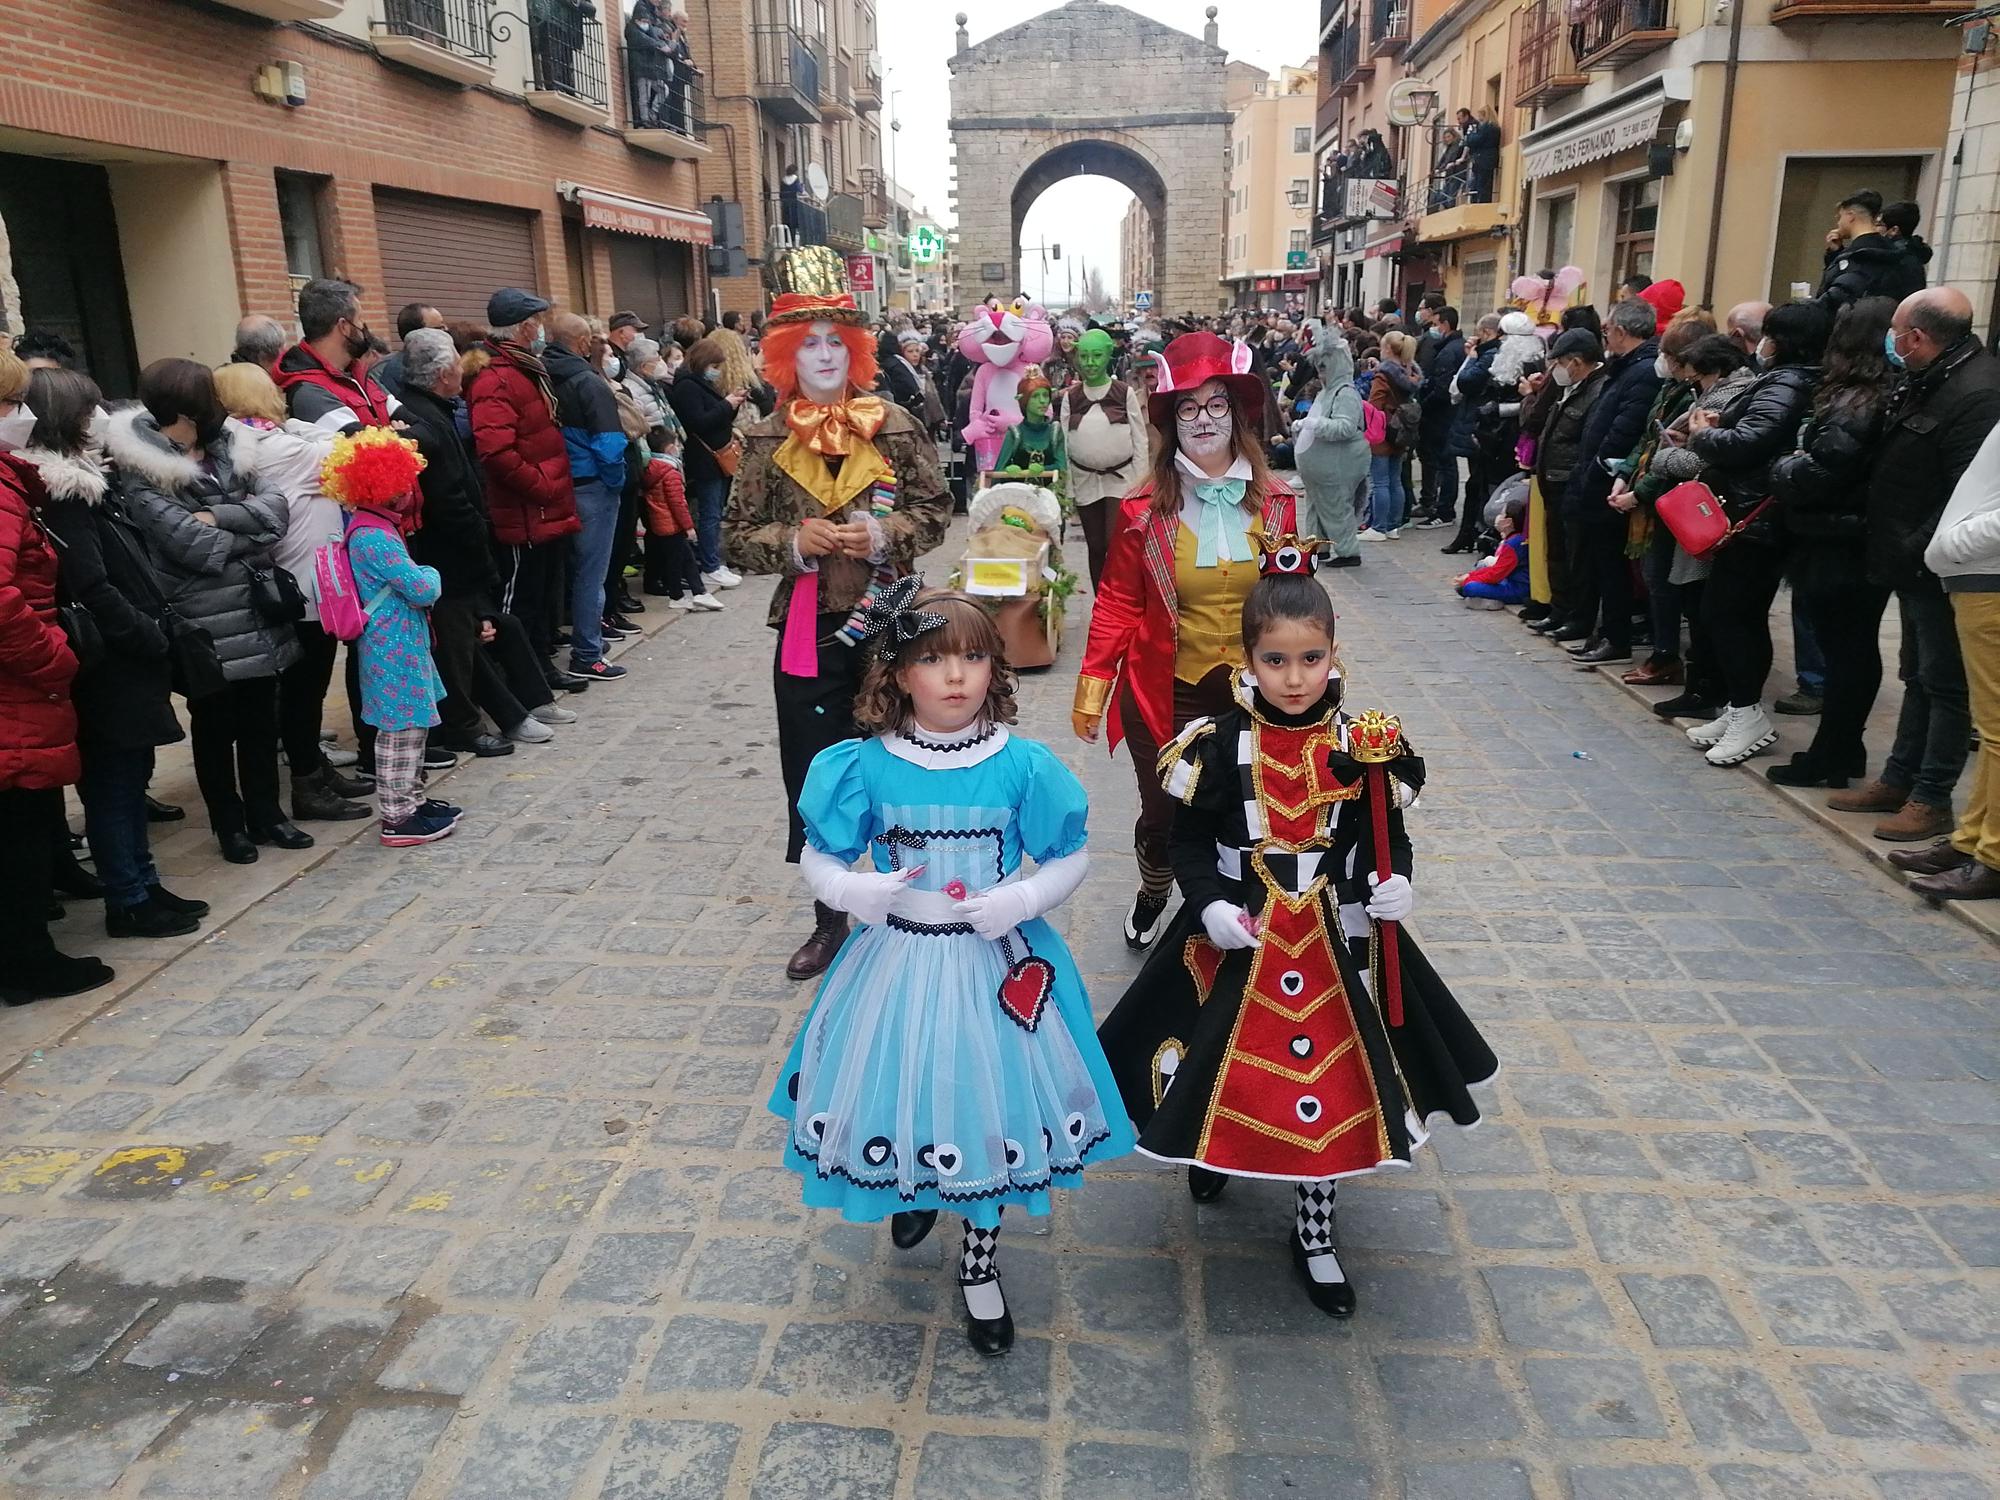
[539,342]
[1889,350]
[1661,368]
[713,375]
[1561,376]
[14,429]
[357,343]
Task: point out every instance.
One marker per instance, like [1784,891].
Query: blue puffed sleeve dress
[911,1085]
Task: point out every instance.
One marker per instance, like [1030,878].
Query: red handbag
[1691,511]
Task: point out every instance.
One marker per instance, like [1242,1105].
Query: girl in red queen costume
[1288,1027]
[1162,647]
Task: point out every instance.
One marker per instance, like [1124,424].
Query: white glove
[1224,921]
[996,912]
[1391,900]
[868,897]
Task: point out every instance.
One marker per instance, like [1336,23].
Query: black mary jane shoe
[1205,1186]
[989,1336]
[282,833]
[911,1227]
[1334,1298]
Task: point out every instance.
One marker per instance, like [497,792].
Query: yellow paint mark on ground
[305,1140]
[375,1173]
[435,1203]
[29,1171]
[226,1184]
[301,1191]
[444,982]
[163,1161]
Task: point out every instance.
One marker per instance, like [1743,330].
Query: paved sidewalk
[444,1173]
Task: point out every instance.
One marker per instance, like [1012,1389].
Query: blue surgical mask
[1889,349]
[713,375]
[541,342]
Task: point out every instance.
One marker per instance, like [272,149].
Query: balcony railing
[458,26]
[805,222]
[876,209]
[1346,199]
[1389,28]
[838,99]
[1346,50]
[787,76]
[844,227]
[1807,10]
[567,48]
[1547,62]
[867,85]
[1615,31]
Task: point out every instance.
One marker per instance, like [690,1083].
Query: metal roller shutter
[452,253]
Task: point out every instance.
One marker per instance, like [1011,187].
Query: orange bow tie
[830,430]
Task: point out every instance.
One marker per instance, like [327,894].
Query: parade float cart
[1013,563]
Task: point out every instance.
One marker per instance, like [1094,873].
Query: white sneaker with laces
[1749,733]
[721,578]
[554,713]
[1711,733]
[1372,535]
[531,731]
[1393,536]
[706,601]
[683,604]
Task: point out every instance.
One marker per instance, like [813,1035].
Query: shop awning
[614,211]
[1617,124]
[1384,247]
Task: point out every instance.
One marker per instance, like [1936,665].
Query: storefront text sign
[861,272]
[1631,127]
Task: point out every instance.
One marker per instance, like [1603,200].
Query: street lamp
[1297,196]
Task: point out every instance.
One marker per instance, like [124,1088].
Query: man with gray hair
[453,538]
[259,341]
[1745,326]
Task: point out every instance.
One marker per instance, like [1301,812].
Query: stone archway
[1095,88]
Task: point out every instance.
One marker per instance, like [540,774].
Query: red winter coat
[521,452]
[666,501]
[1135,619]
[37,719]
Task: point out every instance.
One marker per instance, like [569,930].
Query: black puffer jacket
[1616,423]
[455,537]
[1822,494]
[1562,434]
[1872,266]
[1755,430]
[1936,421]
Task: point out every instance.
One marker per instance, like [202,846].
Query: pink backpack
[342,615]
[1374,422]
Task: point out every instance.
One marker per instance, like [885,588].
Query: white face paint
[1204,436]
[823,364]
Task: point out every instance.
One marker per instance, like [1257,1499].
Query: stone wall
[1084,76]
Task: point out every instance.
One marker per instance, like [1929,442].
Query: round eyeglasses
[1187,409]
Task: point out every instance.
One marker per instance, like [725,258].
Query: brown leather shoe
[1870,796]
[1914,822]
[816,952]
[1935,860]
[1971,881]
[1657,674]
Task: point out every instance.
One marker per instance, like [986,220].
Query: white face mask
[1661,368]
[15,428]
[1562,376]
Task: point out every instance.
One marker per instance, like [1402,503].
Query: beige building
[1135,253]
[1965,230]
[798,84]
[1267,231]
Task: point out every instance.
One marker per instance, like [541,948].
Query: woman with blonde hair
[289,453]
[1394,386]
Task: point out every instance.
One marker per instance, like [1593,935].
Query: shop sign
[926,245]
[1298,283]
[622,215]
[861,272]
[1632,126]
[1266,284]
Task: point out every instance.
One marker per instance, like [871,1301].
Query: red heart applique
[1025,992]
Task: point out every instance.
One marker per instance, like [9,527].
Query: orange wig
[781,356]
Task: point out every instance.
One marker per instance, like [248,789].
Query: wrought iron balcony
[837,101]
[867,84]
[844,227]
[450,39]
[1613,32]
[876,209]
[669,121]
[1389,28]
[802,223]
[566,47]
[786,79]
[1546,63]
[1350,68]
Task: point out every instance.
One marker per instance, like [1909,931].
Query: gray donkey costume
[1330,445]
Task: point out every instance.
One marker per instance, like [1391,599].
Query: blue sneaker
[597,671]
[439,809]
[419,827]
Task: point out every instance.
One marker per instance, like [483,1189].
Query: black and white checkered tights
[1315,1221]
[979,1261]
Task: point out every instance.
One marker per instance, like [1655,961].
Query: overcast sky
[1081,213]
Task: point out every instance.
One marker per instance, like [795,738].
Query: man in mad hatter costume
[838,493]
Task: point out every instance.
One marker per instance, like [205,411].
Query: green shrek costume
[1037,442]
[1330,446]
[1107,439]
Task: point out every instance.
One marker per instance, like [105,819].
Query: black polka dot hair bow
[893,620]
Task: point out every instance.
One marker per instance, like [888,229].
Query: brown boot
[816,952]
[1872,796]
[1914,823]
[1936,860]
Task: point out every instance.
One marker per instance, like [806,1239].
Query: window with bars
[1301,240]
[1477,293]
[1302,139]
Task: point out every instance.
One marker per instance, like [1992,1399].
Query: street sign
[1298,260]
[926,245]
[861,272]
[1142,300]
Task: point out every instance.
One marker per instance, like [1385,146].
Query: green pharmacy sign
[926,245]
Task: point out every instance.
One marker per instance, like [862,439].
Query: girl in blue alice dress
[950,1060]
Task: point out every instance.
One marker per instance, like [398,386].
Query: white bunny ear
[1239,358]
[1166,380]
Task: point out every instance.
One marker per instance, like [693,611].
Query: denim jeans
[706,496]
[113,789]
[1385,491]
[589,556]
[1808,661]
[1934,731]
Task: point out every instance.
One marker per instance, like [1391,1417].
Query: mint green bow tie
[1219,533]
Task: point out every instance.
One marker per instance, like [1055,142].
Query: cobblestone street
[445,1174]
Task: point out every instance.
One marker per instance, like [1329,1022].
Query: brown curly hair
[882,705]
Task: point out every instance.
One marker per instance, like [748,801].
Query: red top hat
[1195,358]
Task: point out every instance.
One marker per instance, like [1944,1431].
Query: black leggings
[671,566]
[1736,605]
[302,698]
[235,735]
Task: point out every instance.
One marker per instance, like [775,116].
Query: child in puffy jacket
[671,566]
[1501,579]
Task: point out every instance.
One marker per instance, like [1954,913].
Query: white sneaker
[707,601]
[1394,536]
[722,578]
[1704,735]
[683,604]
[1749,733]
[335,756]
[1372,535]
[554,713]
[531,731]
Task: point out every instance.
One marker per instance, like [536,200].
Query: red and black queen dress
[1278,1061]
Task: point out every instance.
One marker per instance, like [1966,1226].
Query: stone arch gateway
[1091,88]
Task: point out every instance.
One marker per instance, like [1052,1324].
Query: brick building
[151,192]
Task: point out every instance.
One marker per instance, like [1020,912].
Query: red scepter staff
[1373,740]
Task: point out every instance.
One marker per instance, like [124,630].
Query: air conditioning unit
[781,237]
